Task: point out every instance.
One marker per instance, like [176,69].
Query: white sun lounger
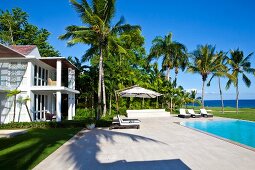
[193,114]
[183,114]
[126,123]
[205,114]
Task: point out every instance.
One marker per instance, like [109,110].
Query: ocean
[230,103]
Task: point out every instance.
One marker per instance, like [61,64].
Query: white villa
[49,83]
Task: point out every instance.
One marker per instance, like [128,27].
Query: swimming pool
[239,131]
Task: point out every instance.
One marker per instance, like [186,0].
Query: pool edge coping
[218,137]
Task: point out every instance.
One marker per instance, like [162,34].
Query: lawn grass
[244,113]
[229,112]
[27,150]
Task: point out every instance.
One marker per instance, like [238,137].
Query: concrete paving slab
[11,133]
[159,144]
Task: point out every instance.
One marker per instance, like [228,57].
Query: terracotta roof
[23,49]
[8,52]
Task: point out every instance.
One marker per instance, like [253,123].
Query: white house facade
[49,83]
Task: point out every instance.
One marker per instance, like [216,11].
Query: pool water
[239,131]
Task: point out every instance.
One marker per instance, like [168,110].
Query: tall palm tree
[180,59]
[221,73]
[204,63]
[239,65]
[170,50]
[98,33]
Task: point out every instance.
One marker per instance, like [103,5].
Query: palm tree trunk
[28,112]
[110,104]
[203,93]
[104,95]
[237,95]
[14,111]
[99,94]
[176,74]
[168,74]
[11,33]
[221,97]
[171,104]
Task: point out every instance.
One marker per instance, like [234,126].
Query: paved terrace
[159,144]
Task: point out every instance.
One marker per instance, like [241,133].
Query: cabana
[136,91]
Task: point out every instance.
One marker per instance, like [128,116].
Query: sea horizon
[242,103]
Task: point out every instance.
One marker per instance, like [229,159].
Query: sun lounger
[205,114]
[183,114]
[125,123]
[193,114]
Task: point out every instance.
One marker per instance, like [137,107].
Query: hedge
[63,124]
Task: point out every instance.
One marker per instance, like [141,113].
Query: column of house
[58,95]
[71,96]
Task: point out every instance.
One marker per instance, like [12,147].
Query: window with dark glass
[35,75]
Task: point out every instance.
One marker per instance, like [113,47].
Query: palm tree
[204,63]
[221,73]
[170,50]
[98,33]
[180,59]
[13,93]
[239,65]
[193,94]
[25,100]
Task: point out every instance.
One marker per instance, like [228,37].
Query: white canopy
[140,92]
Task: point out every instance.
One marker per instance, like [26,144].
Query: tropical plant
[205,62]
[173,53]
[180,59]
[16,30]
[239,65]
[99,34]
[193,97]
[13,93]
[25,100]
[221,74]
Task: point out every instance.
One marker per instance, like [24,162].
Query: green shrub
[105,121]
[83,114]
[63,124]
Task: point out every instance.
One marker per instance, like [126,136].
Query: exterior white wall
[26,84]
[34,54]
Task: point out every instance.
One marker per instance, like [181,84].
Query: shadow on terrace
[88,151]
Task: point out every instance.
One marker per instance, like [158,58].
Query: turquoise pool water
[239,131]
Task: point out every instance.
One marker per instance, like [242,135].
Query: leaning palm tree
[164,46]
[97,32]
[239,65]
[13,93]
[204,63]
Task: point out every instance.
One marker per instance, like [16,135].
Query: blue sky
[228,24]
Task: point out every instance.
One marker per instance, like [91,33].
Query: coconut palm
[180,59]
[13,93]
[25,100]
[221,73]
[204,63]
[170,50]
[98,33]
[239,65]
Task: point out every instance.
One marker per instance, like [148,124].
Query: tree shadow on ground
[86,151]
